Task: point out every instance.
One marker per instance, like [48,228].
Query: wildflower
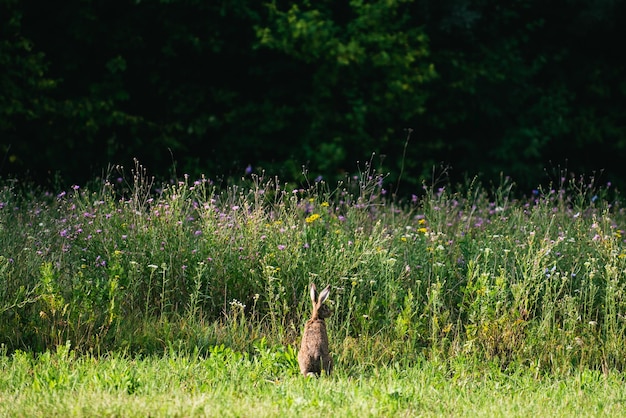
[281,247]
[312,218]
[324,204]
[236,303]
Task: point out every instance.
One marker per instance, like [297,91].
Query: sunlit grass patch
[229,383]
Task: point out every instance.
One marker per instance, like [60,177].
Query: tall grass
[468,272]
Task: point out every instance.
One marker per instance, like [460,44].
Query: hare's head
[320,311]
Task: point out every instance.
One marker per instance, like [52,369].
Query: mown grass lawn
[228,384]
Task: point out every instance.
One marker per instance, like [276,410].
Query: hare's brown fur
[314,355]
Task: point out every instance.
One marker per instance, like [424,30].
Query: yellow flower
[314,217]
[422,230]
[324,204]
[421,221]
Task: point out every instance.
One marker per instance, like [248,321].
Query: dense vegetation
[217,86]
[137,266]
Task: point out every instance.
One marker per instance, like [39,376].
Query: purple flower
[248,169]
[281,247]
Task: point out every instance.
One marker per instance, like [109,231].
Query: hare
[314,355]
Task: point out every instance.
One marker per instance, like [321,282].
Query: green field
[125,297]
[230,384]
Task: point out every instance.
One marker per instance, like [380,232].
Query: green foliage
[375,43]
[219,87]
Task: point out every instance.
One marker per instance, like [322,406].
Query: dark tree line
[486,86]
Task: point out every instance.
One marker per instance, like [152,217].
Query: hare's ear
[324,294]
[313,293]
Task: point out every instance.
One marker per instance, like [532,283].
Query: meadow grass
[226,383]
[132,273]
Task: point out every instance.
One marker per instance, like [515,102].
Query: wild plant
[453,271]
